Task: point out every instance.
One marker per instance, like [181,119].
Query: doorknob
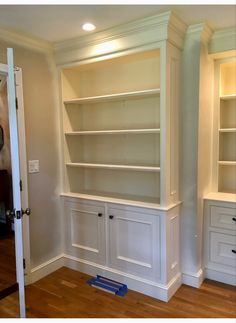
[26,211]
[11,214]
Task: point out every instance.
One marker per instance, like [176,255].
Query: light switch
[33,166]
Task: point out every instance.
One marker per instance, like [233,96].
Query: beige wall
[41,122]
[5,158]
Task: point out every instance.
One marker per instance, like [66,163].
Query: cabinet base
[159,291]
[220,276]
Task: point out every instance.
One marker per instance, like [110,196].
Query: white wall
[41,122]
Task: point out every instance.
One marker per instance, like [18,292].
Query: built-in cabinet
[220,240]
[120,137]
[220,204]
[123,241]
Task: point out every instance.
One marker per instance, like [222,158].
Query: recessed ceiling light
[88,26]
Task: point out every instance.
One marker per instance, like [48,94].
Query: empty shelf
[112,132]
[113,97]
[116,166]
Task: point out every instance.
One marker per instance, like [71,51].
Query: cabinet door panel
[134,242]
[86,231]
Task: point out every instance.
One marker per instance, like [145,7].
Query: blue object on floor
[108,285]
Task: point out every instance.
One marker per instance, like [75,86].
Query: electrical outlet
[33,166]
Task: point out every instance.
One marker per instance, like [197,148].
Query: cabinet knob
[234,219]
[111,217]
[100,214]
[234,251]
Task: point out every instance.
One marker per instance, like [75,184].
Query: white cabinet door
[134,243]
[85,238]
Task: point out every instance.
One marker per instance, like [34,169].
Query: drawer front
[223,217]
[223,249]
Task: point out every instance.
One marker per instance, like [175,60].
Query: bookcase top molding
[146,32]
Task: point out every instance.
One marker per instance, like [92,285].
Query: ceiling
[55,23]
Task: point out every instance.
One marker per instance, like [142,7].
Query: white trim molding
[223,40]
[193,279]
[157,290]
[144,286]
[23,40]
[129,36]
[45,269]
[220,276]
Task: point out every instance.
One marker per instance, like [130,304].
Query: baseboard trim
[193,279]
[159,291]
[46,268]
[144,286]
[220,276]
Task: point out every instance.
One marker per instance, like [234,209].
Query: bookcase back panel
[127,114]
[227,146]
[124,74]
[228,114]
[228,78]
[126,184]
[133,149]
[227,179]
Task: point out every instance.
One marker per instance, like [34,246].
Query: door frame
[23,165]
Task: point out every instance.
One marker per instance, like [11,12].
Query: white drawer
[223,249]
[223,217]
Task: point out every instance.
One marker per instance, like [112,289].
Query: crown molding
[23,40]
[223,40]
[200,31]
[138,33]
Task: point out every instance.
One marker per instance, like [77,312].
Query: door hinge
[21,186]
[24,265]
[16,103]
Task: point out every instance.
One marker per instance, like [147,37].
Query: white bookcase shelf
[227,163]
[115,128]
[226,141]
[114,97]
[227,130]
[228,97]
[113,166]
[112,132]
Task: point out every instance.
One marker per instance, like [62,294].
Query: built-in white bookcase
[120,133]
[227,127]
[112,127]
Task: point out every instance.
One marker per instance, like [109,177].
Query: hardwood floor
[7,260]
[65,294]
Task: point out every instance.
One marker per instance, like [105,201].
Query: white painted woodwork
[224,138]
[135,242]
[114,97]
[220,240]
[223,217]
[15,164]
[112,166]
[221,251]
[85,231]
[120,136]
[112,132]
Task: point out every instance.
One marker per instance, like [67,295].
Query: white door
[15,179]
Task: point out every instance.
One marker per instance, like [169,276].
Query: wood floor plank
[66,294]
